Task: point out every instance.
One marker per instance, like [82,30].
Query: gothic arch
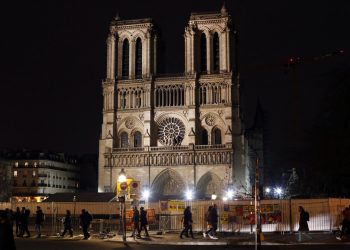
[167,184]
[208,184]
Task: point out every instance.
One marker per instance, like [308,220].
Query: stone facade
[173,132]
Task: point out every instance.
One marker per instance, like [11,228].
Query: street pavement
[172,241]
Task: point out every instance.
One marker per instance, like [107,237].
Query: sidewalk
[318,238]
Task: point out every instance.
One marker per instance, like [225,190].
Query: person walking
[85,220]
[136,223]
[67,223]
[303,226]
[208,221]
[39,219]
[187,220]
[345,223]
[213,223]
[7,241]
[143,221]
[17,218]
[24,222]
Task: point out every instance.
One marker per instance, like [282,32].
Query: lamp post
[121,199]
[257,207]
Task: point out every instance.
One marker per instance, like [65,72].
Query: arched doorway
[168,185]
[209,184]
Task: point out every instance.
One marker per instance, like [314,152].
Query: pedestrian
[303,226]
[208,222]
[85,220]
[24,222]
[143,221]
[7,241]
[136,223]
[345,223]
[39,219]
[17,218]
[187,221]
[213,222]
[67,223]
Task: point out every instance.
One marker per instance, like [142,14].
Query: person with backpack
[39,219]
[7,241]
[85,220]
[303,226]
[67,223]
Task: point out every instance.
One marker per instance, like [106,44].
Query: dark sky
[53,58]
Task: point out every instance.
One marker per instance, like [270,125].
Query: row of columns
[148,51]
[190,50]
[215,94]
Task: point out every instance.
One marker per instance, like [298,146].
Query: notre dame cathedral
[178,132]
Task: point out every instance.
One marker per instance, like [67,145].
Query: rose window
[171,131]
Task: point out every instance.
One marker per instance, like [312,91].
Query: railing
[172,156]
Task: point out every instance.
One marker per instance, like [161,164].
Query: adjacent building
[35,175]
[173,133]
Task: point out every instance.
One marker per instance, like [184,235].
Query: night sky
[53,58]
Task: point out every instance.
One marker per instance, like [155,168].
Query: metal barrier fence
[234,216]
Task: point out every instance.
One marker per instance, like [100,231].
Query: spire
[117,17]
[223,9]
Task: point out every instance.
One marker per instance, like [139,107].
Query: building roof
[80,197]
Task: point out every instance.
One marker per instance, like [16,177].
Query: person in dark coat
[24,222]
[345,223]
[136,223]
[208,220]
[143,221]
[303,226]
[187,220]
[67,224]
[7,241]
[17,218]
[85,220]
[39,219]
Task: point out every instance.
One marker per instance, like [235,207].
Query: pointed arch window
[137,139]
[216,137]
[124,142]
[125,58]
[138,59]
[203,53]
[216,53]
[204,137]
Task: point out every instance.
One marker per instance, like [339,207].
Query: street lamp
[145,195]
[213,196]
[189,195]
[121,199]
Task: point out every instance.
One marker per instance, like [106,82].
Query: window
[203,53]
[138,59]
[26,164]
[34,174]
[125,58]
[137,139]
[216,136]
[204,137]
[216,53]
[35,164]
[124,140]
[16,164]
[15,173]
[24,183]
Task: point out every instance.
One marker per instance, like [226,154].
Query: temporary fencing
[234,216]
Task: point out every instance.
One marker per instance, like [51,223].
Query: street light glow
[213,196]
[189,195]
[230,194]
[122,176]
[279,190]
[268,190]
[146,194]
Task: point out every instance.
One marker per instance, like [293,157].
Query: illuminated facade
[35,175]
[173,132]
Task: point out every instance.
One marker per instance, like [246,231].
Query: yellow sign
[122,188]
[174,205]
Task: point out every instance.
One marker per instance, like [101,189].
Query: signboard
[134,188]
